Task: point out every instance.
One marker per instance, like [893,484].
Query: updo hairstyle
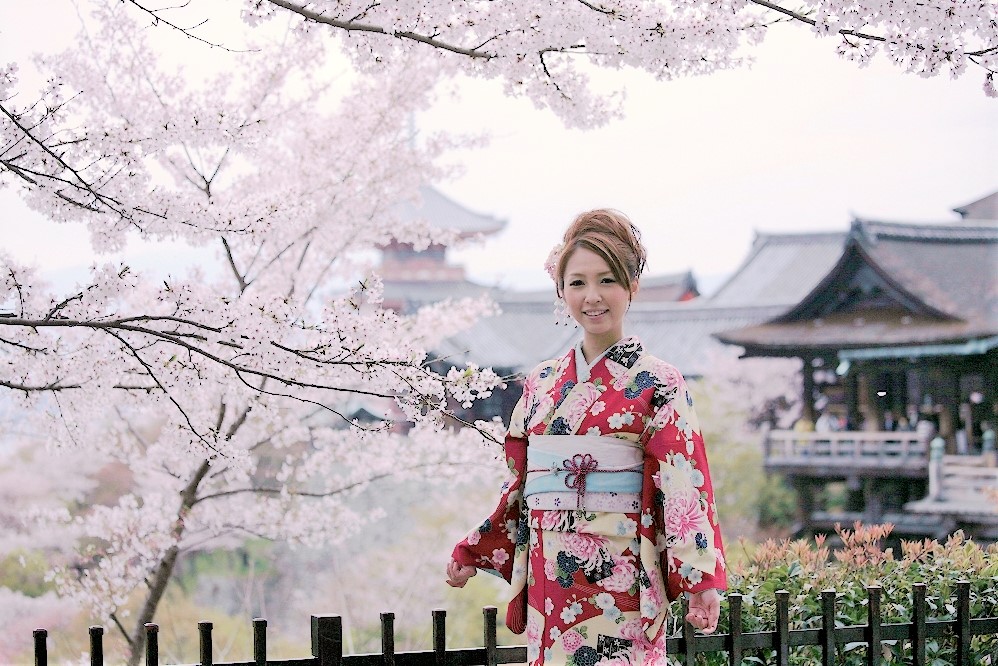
[611,235]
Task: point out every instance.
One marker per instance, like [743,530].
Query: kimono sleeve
[687,532]
[491,545]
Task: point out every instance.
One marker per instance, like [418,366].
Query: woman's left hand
[704,610]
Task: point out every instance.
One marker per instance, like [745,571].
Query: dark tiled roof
[781,269]
[948,274]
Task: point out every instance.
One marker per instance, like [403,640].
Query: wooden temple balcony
[845,454]
[895,477]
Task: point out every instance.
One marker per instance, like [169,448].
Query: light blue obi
[593,472]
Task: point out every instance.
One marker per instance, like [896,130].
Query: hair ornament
[551,263]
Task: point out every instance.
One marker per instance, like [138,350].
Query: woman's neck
[593,347]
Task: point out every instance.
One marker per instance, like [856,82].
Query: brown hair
[611,235]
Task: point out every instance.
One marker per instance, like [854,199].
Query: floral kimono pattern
[591,584]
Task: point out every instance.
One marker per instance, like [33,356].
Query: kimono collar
[624,351]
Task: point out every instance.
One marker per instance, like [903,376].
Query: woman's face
[595,299]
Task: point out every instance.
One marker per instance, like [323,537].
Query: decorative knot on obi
[586,464]
[578,467]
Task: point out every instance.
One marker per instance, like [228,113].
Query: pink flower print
[665,373]
[619,373]
[549,606]
[550,520]
[474,537]
[499,557]
[544,408]
[683,514]
[550,570]
[623,577]
[632,630]
[571,641]
[579,401]
[597,408]
[583,545]
[533,632]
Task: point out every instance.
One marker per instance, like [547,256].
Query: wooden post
[828,628]
[260,641]
[388,639]
[491,655]
[689,636]
[963,623]
[204,633]
[874,632]
[96,646]
[919,634]
[41,649]
[783,628]
[735,629]
[327,639]
[439,636]
[152,644]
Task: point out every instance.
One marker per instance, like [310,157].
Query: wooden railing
[961,485]
[824,635]
[847,448]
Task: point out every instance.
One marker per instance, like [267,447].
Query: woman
[609,511]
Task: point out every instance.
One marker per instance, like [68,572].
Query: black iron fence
[763,647]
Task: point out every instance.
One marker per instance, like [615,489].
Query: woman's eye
[608,280]
[575,283]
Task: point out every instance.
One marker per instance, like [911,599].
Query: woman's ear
[634,288]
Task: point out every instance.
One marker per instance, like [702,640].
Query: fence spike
[735,629]
[439,635]
[963,623]
[388,639]
[96,646]
[260,641]
[783,628]
[827,627]
[41,647]
[489,628]
[689,653]
[327,639]
[204,634]
[919,635]
[874,632]
[152,644]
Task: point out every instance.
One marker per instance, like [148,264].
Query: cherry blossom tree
[228,391]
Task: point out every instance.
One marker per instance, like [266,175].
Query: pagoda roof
[442,212]
[985,208]
[892,284]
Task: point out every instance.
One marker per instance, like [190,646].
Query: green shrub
[804,569]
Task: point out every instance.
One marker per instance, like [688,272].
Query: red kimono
[598,531]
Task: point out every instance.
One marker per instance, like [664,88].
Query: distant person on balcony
[826,422]
[609,511]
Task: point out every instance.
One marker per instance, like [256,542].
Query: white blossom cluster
[544,50]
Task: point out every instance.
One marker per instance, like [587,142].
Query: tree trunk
[161,576]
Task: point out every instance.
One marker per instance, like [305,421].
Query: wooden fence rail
[327,638]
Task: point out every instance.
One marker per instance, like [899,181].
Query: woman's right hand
[458,574]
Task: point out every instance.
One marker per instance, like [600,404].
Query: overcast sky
[800,141]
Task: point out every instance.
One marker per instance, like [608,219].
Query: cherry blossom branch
[846,32]
[155,14]
[352,26]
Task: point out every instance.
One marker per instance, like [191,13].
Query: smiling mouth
[596,314]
